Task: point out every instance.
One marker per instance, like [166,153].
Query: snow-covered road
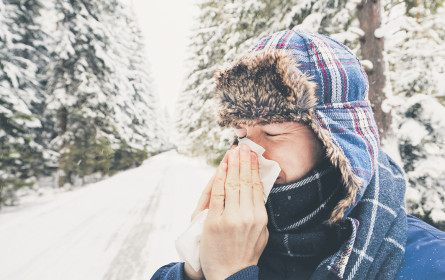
[120,228]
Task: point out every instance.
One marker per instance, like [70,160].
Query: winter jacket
[424,257]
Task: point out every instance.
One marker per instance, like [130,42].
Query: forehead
[282,125]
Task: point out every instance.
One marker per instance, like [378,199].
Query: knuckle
[205,193]
[231,184]
[248,221]
[246,162]
[245,182]
[219,180]
[257,185]
[212,226]
[254,167]
[217,196]
[264,220]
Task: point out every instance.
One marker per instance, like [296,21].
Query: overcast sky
[166,25]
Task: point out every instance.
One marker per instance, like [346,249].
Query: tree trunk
[369,13]
[62,115]
[62,121]
[2,185]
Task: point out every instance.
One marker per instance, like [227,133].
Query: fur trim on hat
[266,86]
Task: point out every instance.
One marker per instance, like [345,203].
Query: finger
[246,190]
[216,205]
[204,200]
[232,183]
[258,197]
[226,156]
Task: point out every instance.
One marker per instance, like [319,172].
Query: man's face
[293,145]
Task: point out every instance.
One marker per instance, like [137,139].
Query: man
[337,209]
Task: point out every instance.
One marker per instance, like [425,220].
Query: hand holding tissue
[187,244]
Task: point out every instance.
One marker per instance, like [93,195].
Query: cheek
[286,158]
[294,162]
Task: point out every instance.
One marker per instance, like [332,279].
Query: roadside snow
[121,228]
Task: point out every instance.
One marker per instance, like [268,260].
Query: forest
[76,95]
[77,102]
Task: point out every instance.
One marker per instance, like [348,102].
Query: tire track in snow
[129,260]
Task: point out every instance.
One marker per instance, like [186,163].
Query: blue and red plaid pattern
[343,107]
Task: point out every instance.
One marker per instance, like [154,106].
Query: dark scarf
[296,214]
[368,244]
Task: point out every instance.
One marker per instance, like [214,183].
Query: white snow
[367,64]
[312,22]
[379,33]
[407,128]
[121,228]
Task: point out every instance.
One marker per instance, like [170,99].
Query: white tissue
[187,244]
[269,169]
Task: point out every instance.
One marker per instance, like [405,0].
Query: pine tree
[22,54]
[142,104]
[101,100]
[414,34]
[77,101]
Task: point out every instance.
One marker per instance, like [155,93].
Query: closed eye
[268,134]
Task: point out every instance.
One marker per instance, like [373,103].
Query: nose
[254,134]
[259,138]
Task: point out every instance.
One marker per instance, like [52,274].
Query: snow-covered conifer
[140,104]
[102,116]
[22,54]
[414,37]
